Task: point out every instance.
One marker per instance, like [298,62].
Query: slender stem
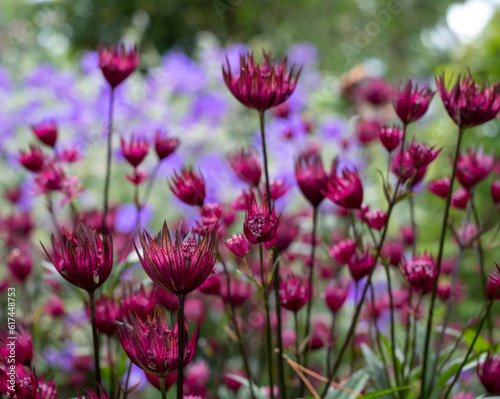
[108,160]
[149,186]
[393,334]
[413,226]
[330,346]
[127,380]
[232,315]
[466,358]
[438,266]
[408,330]
[111,366]
[95,339]
[162,388]
[297,333]
[353,341]
[268,323]
[180,365]
[281,369]
[419,301]
[50,208]
[311,278]
[357,238]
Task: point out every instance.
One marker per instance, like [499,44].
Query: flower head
[473,167]
[83,258]
[421,154]
[107,312]
[489,374]
[46,132]
[311,177]
[260,86]
[411,102]
[164,145]
[23,346]
[335,294]
[460,198]
[25,386]
[406,170]
[189,186]
[376,91]
[134,150]
[468,104]
[493,283]
[360,264]
[90,394]
[277,188]
[343,250]
[238,245]
[246,165]
[152,346]
[440,187]
[261,223]
[495,191]
[345,190]
[420,272]
[33,160]
[179,266]
[117,63]
[294,293]
[390,137]
[19,264]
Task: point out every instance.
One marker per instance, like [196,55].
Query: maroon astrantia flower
[189,186]
[345,190]
[375,218]
[164,145]
[390,137]
[311,177]
[294,292]
[134,150]
[343,250]
[376,91]
[474,166]
[421,154]
[117,63]
[33,160]
[277,188]
[288,230]
[246,165]
[25,385]
[410,102]
[211,215]
[90,394]
[460,198]
[420,272]
[260,86]
[261,223]
[47,390]
[495,191]
[240,291]
[152,346]
[392,252]
[468,104]
[493,284]
[179,266]
[46,132]
[70,155]
[282,111]
[440,187]
[238,245]
[360,264]
[335,294]
[19,263]
[406,170]
[489,374]
[23,348]
[107,312]
[367,130]
[83,258]
[138,176]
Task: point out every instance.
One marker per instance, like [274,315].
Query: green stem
[330,346]
[111,367]
[268,323]
[438,266]
[108,161]
[393,334]
[162,388]
[180,364]
[95,339]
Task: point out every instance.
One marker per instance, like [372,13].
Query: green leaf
[481,344]
[250,278]
[375,368]
[379,394]
[404,196]
[452,368]
[356,383]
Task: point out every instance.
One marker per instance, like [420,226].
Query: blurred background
[400,37]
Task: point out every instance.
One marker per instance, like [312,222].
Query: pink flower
[343,250]
[83,258]
[489,374]
[46,132]
[376,91]
[179,266]
[468,104]
[495,191]
[368,130]
[375,218]
[294,293]
[422,155]
[311,177]
[493,283]
[164,145]
[33,160]
[473,167]
[189,186]
[152,346]
[107,312]
[240,291]
[440,187]
[23,346]
[407,170]
[19,263]
[277,188]
[261,223]
[410,102]
[420,272]
[390,137]
[139,176]
[460,198]
[345,190]
[26,383]
[117,63]
[260,86]
[70,155]
[134,150]
[238,245]
[335,294]
[360,264]
[70,187]
[90,394]
[246,165]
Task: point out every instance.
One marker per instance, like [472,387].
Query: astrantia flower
[367,130]
[90,394]
[390,137]
[294,293]
[19,263]
[152,346]
[83,258]
[70,155]
[164,145]
[489,374]
[311,177]
[46,132]
[246,165]
[345,190]
[260,86]
[277,188]
[440,187]
[493,283]
[23,346]
[343,250]
[375,218]
[410,102]
[376,91]
[406,170]
[134,150]
[139,176]
[107,312]
[360,264]
[25,386]
[261,223]
[335,294]
[240,292]
[421,154]
[117,63]
[238,244]
[189,186]
[179,266]
[460,198]
[495,191]
[392,252]
[33,160]
[420,272]
[474,166]
[468,104]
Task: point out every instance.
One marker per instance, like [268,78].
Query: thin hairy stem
[108,161]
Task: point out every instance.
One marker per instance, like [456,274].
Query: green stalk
[108,161]
[162,388]
[180,364]
[95,339]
